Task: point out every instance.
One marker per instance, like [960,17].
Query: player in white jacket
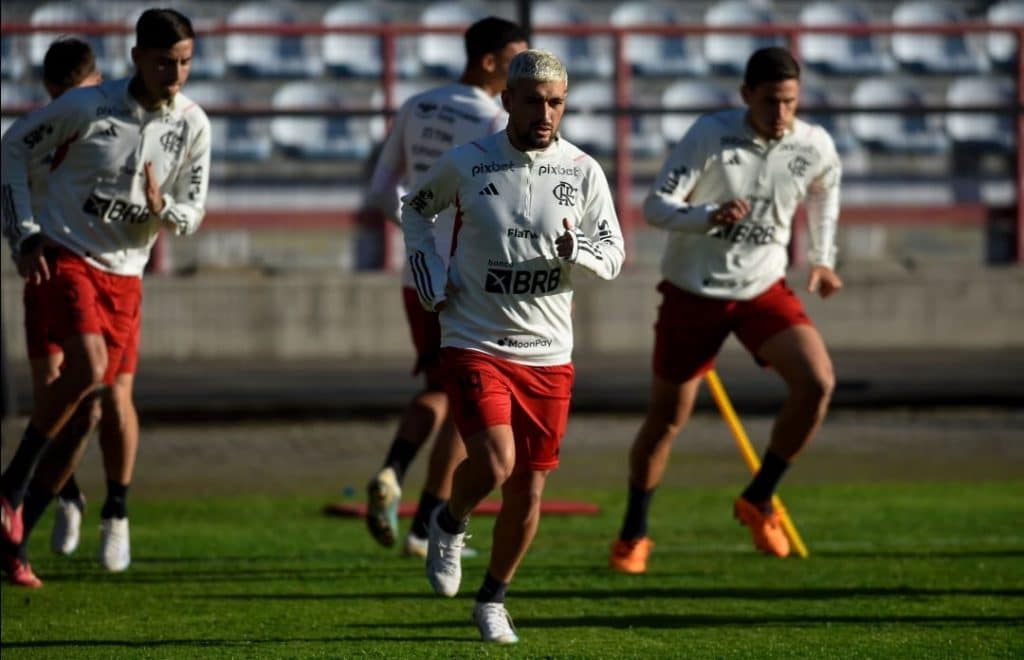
[130,156]
[427,125]
[727,195]
[533,212]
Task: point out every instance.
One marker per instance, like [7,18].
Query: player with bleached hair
[427,125]
[726,196]
[533,213]
[130,156]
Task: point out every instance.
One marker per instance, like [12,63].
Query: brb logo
[510,280]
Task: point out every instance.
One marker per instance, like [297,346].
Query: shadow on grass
[249,644]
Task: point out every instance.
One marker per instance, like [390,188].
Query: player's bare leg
[517,522]
[119,438]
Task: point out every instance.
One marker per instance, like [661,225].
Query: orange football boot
[765,528]
[630,556]
[20,574]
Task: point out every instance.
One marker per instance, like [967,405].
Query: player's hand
[154,198]
[565,244]
[823,281]
[730,212]
[31,262]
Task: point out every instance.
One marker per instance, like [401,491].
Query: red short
[426,338]
[80,299]
[691,329]
[486,391]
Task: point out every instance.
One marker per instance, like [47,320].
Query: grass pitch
[919,570]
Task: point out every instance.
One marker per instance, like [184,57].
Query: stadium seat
[233,138]
[933,53]
[67,13]
[656,55]
[316,138]
[444,55]
[12,62]
[19,97]
[403,90]
[728,53]
[815,101]
[359,55]
[977,130]
[701,95]
[894,132]
[1002,46]
[579,53]
[595,133]
[268,55]
[837,53]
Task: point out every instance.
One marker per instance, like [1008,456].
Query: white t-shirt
[426,126]
[508,293]
[721,158]
[95,200]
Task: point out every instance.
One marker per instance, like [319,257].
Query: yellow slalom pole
[732,420]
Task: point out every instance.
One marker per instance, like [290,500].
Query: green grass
[896,571]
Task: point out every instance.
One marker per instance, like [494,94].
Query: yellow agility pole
[732,420]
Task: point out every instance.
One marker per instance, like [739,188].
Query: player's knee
[816,390]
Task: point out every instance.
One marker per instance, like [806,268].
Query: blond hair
[536,65]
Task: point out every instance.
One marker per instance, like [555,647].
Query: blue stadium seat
[815,100]
[63,13]
[728,53]
[699,94]
[1002,46]
[595,133]
[17,97]
[268,55]
[444,55]
[316,138]
[579,53]
[656,55]
[359,55]
[841,54]
[895,132]
[233,138]
[12,62]
[982,131]
[933,53]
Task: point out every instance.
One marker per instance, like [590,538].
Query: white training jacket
[95,200]
[427,125]
[721,158]
[508,293]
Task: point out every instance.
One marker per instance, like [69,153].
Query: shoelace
[497,616]
[451,551]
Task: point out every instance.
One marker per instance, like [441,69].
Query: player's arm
[822,221]
[183,207]
[420,207]
[666,205]
[383,194]
[27,141]
[596,245]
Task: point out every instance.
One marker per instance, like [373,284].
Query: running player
[533,212]
[427,125]
[726,195]
[130,156]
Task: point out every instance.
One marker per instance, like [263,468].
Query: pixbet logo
[559,170]
[487,168]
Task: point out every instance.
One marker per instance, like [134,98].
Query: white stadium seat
[728,53]
[933,53]
[1002,46]
[701,94]
[579,53]
[986,131]
[233,138]
[444,55]
[595,133]
[895,131]
[657,55]
[360,55]
[837,53]
[66,13]
[268,55]
[12,62]
[316,138]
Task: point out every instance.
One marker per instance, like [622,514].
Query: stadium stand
[933,53]
[268,55]
[315,138]
[894,132]
[444,55]
[727,53]
[981,131]
[1001,47]
[12,63]
[359,55]
[234,138]
[404,89]
[694,94]
[655,55]
[595,133]
[108,60]
[582,55]
[841,54]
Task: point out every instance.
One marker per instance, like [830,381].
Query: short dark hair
[772,64]
[162,28]
[490,35]
[67,62]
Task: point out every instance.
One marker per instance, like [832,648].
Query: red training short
[425,328]
[486,391]
[80,299]
[691,329]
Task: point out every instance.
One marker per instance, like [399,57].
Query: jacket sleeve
[384,191]
[420,207]
[599,247]
[27,141]
[185,204]
[666,206]
[823,210]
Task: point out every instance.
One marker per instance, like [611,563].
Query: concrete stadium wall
[222,315]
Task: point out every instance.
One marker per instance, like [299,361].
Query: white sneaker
[444,558]
[115,549]
[416,546]
[383,495]
[67,525]
[494,623]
